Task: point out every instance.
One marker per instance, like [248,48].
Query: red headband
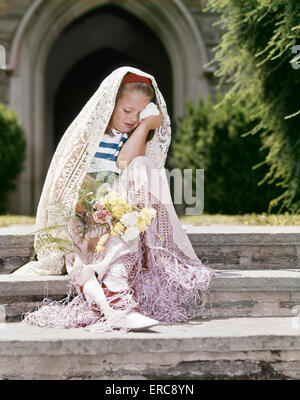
[136,78]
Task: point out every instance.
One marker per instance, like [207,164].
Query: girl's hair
[130,87]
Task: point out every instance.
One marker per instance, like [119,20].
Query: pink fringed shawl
[157,274]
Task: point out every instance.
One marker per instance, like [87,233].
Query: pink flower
[102,217]
[98,206]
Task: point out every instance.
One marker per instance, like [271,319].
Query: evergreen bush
[12,152]
[257,58]
[211,138]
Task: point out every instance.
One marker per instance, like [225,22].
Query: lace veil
[72,158]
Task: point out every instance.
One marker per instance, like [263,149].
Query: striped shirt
[105,158]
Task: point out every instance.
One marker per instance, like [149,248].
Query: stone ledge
[16,241]
[227,280]
[202,235]
[11,285]
[239,334]
[249,348]
[233,294]
[244,239]
[266,280]
[220,255]
[223,246]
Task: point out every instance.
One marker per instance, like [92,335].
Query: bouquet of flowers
[112,214]
[101,208]
[120,218]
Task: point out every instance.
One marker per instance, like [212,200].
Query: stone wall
[204,20]
[12,12]
[210,33]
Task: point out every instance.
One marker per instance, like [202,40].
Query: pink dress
[157,274]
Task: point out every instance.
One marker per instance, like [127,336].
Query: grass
[202,219]
[7,219]
[245,219]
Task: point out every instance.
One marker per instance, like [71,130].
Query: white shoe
[132,320]
[135,321]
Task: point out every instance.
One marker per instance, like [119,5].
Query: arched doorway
[75,72]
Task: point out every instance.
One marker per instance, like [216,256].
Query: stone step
[16,247]
[247,247]
[235,293]
[13,257]
[234,348]
[224,246]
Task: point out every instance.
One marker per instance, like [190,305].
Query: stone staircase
[250,328]
[226,247]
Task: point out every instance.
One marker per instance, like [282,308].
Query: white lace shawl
[73,156]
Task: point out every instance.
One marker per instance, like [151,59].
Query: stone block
[235,348]
[15,251]
[234,293]
[221,250]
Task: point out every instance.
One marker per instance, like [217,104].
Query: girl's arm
[135,145]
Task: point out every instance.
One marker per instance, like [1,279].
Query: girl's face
[125,117]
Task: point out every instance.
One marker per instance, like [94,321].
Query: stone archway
[37,33]
[74,73]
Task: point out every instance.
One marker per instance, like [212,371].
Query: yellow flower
[101,242]
[121,209]
[118,228]
[104,200]
[109,199]
[99,248]
[112,232]
[141,225]
[121,200]
[115,198]
[103,238]
[118,210]
[147,214]
[116,202]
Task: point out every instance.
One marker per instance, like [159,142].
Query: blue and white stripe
[105,158]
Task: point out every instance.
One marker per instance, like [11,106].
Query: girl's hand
[152,122]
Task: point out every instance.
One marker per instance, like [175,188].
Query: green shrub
[256,57]
[210,138]
[12,152]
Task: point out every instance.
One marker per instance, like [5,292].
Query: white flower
[105,187]
[102,189]
[129,219]
[131,233]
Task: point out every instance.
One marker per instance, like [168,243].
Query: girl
[150,278]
